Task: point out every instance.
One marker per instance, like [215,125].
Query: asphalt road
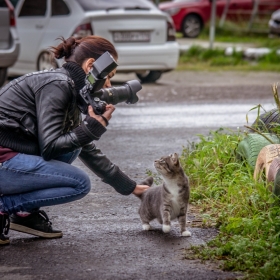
[103,237]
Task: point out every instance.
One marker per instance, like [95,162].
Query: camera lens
[125,93]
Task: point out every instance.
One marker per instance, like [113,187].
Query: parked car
[274,23]
[9,41]
[143,35]
[190,16]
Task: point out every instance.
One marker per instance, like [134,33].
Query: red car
[190,16]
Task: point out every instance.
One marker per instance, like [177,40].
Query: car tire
[273,176]
[267,120]
[149,76]
[46,61]
[273,169]
[192,26]
[3,76]
[249,148]
[276,187]
[265,157]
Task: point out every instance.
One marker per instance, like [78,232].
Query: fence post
[224,15]
[212,24]
[253,14]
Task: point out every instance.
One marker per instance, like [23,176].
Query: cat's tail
[148,181]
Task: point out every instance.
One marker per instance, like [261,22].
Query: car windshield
[93,5]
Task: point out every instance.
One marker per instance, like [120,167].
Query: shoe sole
[4,242]
[24,229]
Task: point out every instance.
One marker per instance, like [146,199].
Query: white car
[274,24]
[143,35]
[9,41]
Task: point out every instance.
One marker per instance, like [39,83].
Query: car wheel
[192,26]
[3,76]
[149,76]
[46,61]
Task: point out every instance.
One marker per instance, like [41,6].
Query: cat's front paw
[166,228]
[146,227]
[186,233]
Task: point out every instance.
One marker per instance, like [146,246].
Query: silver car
[274,23]
[9,41]
[143,35]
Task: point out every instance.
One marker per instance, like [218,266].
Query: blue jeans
[29,182]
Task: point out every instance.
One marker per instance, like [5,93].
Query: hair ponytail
[80,49]
[65,48]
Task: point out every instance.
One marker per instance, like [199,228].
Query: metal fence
[254,20]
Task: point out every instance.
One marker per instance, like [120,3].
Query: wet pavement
[103,236]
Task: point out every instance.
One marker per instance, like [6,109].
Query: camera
[93,94]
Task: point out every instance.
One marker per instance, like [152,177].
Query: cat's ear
[175,158]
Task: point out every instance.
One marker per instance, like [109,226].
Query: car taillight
[172,11]
[170,32]
[12,13]
[83,30]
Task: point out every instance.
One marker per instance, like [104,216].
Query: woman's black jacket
[39,115]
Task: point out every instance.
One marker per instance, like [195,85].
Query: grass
[234,33]
[198,58]
[246,213]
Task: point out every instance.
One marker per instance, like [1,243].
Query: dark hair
[80,49]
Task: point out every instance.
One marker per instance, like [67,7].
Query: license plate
[131,36]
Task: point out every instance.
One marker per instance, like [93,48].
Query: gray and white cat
[169,200]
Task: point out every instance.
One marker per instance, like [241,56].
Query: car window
[33,8]
[3,3]
[59,8]
[91,5]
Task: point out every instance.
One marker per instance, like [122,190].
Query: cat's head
[168,165]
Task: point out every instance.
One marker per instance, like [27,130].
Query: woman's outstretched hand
[107,114]
[140,189]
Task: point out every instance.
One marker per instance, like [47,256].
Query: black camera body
[93,94]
